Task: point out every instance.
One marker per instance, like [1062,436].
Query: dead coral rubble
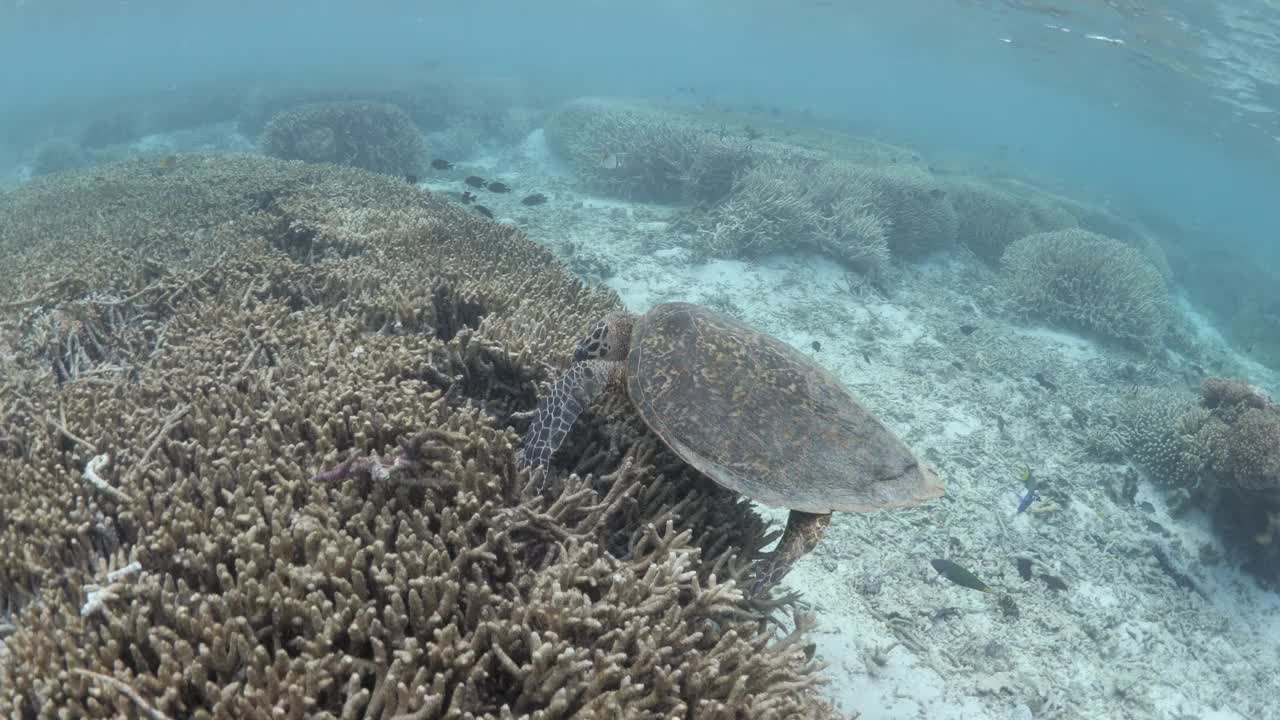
[301,319]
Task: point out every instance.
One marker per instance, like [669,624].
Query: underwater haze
[663,359]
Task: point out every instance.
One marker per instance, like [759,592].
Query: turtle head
[608,339]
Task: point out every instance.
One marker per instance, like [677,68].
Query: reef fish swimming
[958,575]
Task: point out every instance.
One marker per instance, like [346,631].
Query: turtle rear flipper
[560,407]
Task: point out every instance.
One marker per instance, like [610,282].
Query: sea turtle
[746,410]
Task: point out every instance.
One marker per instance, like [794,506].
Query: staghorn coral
[331,318]
[784,206]
[989,218]
[1090,282]
[922,219]
[367,135]
[637,150]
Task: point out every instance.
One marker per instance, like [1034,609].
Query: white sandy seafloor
[1123,641]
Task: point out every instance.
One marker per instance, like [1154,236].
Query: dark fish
[484,211]
[817,346]
[937,194]
[475,182]
[1024,568]
[467,197]
[1030,484]
[958,575]
[1045,382]
[866,357]
[1026,501]
[439,164]
[534,199]
[968,329]
[498,187]
[411,179]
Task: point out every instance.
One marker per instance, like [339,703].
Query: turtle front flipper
[803,532]
[561,406]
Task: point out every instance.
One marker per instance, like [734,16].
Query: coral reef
[639,151]
[1090,282]
[922,219]
[989,218]
[1226,452]
[284,484]
[436,97]
[367,135]
[1168,436]
[784,206]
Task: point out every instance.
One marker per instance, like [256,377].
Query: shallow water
[1022,235]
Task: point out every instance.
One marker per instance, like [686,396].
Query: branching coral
[989,218]
[785,206]
[348,322]
[1168,437]
[922,219]
[1090,282]
[639,151]
[367,135]
[1227,449]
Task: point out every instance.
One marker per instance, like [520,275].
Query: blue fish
[1031,496]
[1026,501]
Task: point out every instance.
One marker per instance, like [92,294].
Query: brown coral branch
[170,423]
[120,687]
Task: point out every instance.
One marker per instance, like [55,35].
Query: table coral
[305,318]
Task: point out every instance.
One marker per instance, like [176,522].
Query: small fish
[498,187]
[968,329]
[411,179]
[474,181]
[1031,496]
[534,199]
[937,194]
[1024,568]
[467,197]
[866,357]
[439,164]
[484,211]
[817,346]
[958,575]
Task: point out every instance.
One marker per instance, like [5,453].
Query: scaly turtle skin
[745,409]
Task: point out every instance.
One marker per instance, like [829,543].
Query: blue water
[927,74]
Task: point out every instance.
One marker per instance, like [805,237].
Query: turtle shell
[760,418]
